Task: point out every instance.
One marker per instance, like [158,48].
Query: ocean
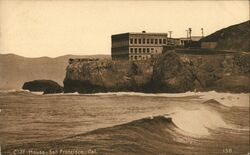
[124,123]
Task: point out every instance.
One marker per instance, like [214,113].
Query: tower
[170,32]
[190,31]
[202,32]
[187,34]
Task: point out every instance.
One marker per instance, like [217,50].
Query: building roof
[194,38]
[140,33]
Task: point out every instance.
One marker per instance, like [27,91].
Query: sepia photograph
[124,77]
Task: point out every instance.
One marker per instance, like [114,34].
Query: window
[135,57]
[135,41]
[147,50]
[144,50]
[131,50]
[156,41]
[147,41]
[131,41]
[135,50]
[152,49]
[160,41]
[143,41]
[139,50]
[164,41]
[139,41]
[152,41]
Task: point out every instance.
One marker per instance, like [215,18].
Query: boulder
[46,86]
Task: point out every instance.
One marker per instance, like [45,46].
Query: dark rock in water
[46,86]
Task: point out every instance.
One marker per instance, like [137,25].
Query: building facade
[137,46]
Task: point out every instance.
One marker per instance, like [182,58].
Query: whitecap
[198,121]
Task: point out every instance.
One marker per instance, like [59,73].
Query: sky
[58,27]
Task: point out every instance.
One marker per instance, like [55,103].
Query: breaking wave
[226,99]
[198,121]
[192,123]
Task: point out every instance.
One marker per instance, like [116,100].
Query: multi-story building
[137,46]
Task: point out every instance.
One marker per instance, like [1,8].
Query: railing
[82,60]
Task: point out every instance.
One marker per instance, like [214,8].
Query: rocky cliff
[228,72]
[107,75]
[172,72]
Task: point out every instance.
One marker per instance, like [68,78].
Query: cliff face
[185,72]
[171,73]
[107,75]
